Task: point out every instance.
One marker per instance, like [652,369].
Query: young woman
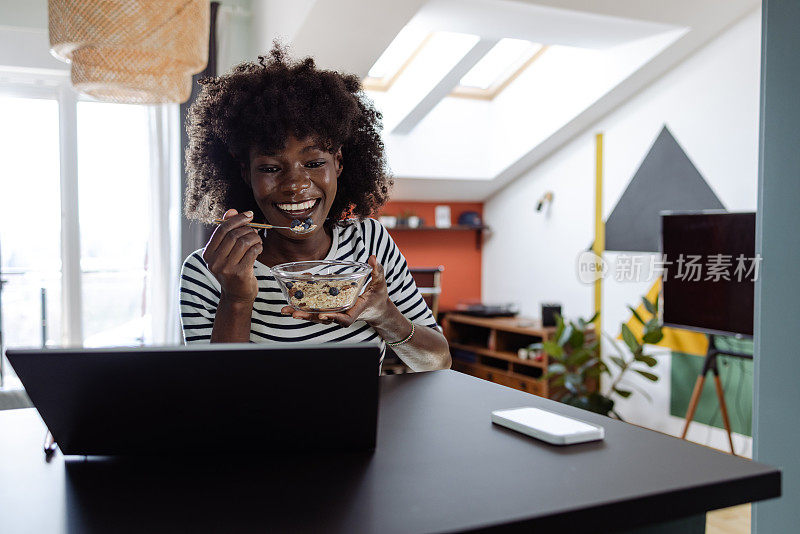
[275,141]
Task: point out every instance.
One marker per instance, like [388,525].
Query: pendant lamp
[131,51]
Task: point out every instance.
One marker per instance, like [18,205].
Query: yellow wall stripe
[599,228]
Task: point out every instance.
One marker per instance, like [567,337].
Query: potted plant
[578,365]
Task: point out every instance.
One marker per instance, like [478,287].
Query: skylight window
[400,52]
[498,68]
[501,61]
[485,80]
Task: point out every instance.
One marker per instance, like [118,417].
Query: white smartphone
[548,426]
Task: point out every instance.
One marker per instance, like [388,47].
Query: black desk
[440,465]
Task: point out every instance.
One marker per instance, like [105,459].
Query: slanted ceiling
[444,148]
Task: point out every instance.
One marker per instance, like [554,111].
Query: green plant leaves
[594,402]
[566,333]
[630,339]
[593,371]
[559,326]
[584,323]
[600,403]
[636,314]
[624,393]
[647,360]
[577,338]
[555,369]
[649,306]
[650,376]
[653,336]
[578,357]
[585,366]
[553,349]
[570,385]
[619,361]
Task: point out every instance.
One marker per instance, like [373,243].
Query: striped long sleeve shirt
[200,293]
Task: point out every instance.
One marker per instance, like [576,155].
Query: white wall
[559,86]
[24,43]
[25,13]
[710,104]
[276,19]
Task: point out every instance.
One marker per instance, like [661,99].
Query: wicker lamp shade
[131,51]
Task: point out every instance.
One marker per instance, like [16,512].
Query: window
[113,176]
[498,68]
[493,73]
[30,221]
[72,172]
[394,60]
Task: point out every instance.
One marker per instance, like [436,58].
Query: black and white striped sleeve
[402,288]
[200,293]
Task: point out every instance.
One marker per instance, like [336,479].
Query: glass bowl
[323,285]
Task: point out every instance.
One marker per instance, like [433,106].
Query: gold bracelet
[408,338]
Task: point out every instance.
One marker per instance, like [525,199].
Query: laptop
[205,398]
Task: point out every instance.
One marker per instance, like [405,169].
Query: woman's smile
[300,209]
[296,182]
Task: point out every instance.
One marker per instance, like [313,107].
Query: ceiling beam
[444,87]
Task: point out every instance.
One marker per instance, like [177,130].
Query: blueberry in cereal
[327,295]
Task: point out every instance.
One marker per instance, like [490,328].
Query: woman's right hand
[230,255]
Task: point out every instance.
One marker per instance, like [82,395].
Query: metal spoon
[299,229]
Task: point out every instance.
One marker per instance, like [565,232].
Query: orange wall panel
[455,250]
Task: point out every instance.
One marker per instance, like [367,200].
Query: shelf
[456,228]
[517,325]
[501,355]
[494,342]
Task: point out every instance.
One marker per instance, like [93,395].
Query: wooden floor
[735,520]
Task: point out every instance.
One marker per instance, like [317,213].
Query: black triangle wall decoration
[666,180]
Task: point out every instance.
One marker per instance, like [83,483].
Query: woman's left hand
[371,306]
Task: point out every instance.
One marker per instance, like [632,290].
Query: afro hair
[259,105]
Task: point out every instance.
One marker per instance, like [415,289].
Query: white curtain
[163,252]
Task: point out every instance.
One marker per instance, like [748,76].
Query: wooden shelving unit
[455,227]
[486,347]
[479,230]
